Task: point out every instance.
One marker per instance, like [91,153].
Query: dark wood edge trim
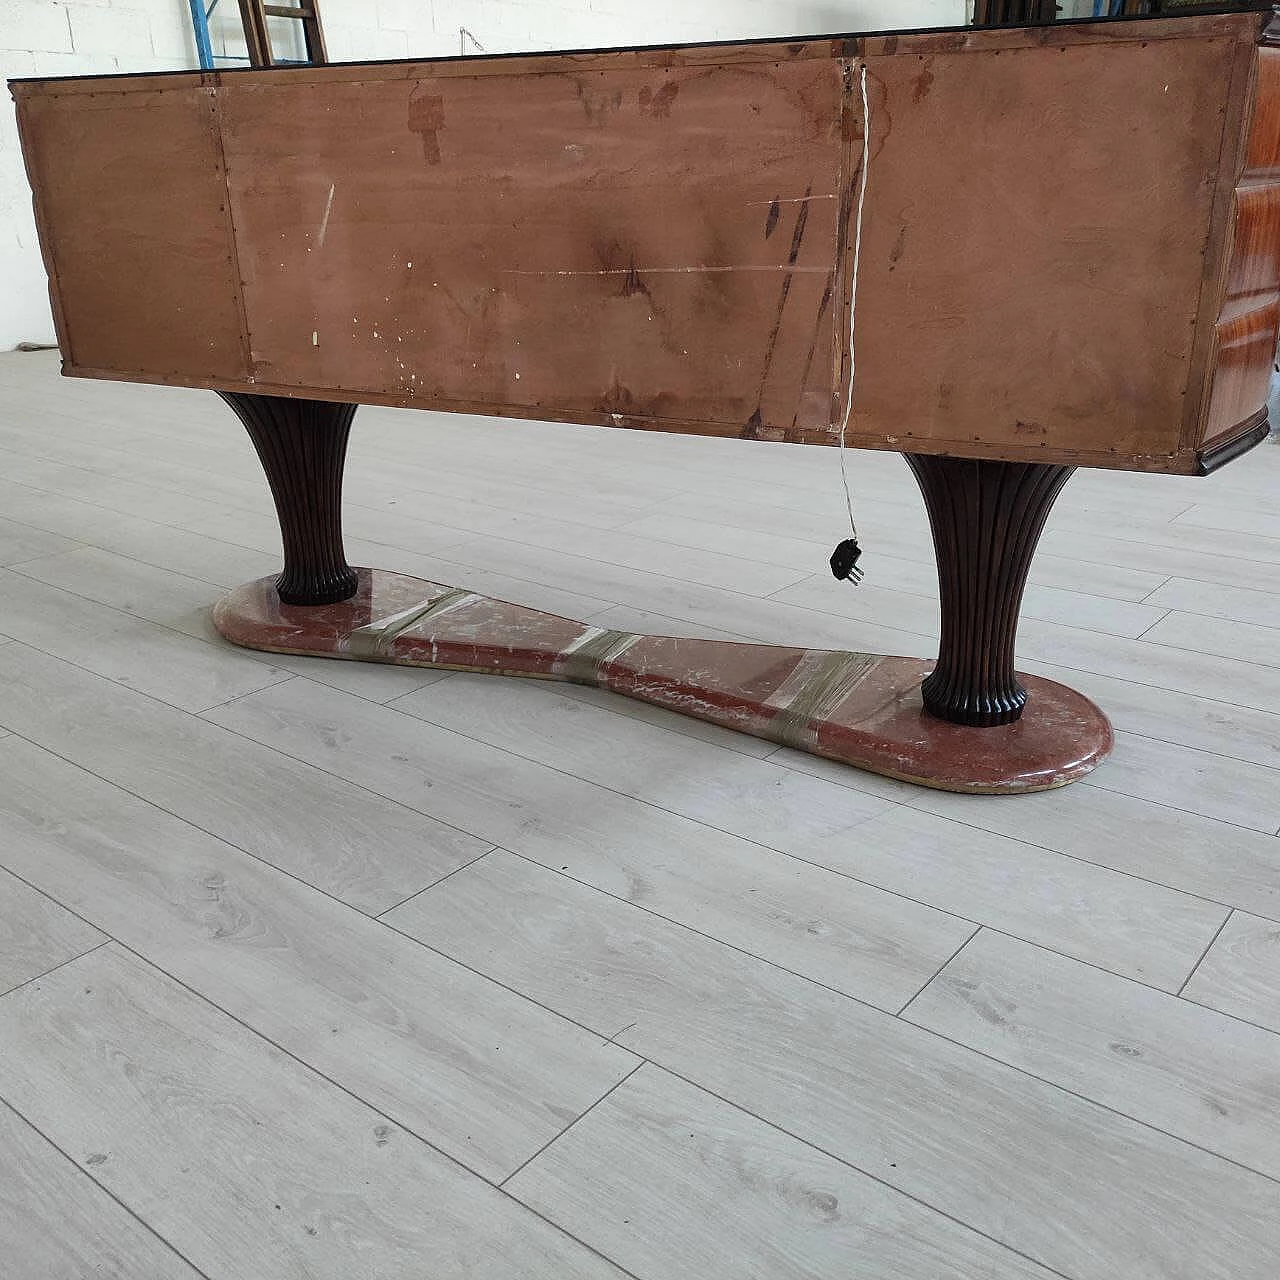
[45,240]
[1237,121]
[915,40]
[1234,444]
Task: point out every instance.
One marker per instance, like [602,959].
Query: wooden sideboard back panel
[662,238]
[658,244]
[1034,261]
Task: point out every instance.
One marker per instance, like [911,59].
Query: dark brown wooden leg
[987,518]
[303,446]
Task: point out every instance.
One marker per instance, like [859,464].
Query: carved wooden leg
[303,446]
[987,518]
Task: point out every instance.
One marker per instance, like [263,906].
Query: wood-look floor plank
[326,832]
[554,537]
[548,597]
[1236,604]
[1203,559]
[140,655]
[56,1224]
[36,934]
[855,937]
[1183,778]
[243,1160]
[1183,718]
[476,1070]
[1232,519]
[1233,680]
[184,604]
[116,494]
[919,612]
[1076,1187]
[898,549]
[1190,1071]
[1140,929]
[131,534]
[670,1181]
[1240,974]
[1217,861]
[20,542]
[1246,641]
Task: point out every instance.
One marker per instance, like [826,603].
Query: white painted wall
[97,37]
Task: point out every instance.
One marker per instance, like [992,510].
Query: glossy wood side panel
[1253,280]
[1249,322]
[1246,347]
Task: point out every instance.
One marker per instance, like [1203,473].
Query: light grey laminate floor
[336,971]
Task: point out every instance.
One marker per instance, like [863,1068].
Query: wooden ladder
[254,14]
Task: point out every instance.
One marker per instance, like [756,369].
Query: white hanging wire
[853,299]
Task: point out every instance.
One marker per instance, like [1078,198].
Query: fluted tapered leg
[303,448]
[987,518]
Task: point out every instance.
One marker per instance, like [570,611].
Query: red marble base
[857,708]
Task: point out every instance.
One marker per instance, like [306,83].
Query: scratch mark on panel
[626,271]
[790,200]
[324,222]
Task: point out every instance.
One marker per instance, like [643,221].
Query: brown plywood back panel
[1034,242]
[130,200]
[656,244]
[662,238]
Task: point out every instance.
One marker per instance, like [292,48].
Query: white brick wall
[88,37]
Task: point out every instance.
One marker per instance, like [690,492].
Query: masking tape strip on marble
[812,693]
[375,638]
[582,661]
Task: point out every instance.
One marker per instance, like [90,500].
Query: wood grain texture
[1203,724]
[1079,1189]
[317,828]
[1219,861]
[736,1198]
[658,238]
[1240,974]
[55,1224]
[36,934]
[244,1160]
[1189,1071]
[854,936]
[1139,929]
[20,542]
[481,1073]
[1199,781]
[930,234]
[1259,607]
[139,655]
[1247,641]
